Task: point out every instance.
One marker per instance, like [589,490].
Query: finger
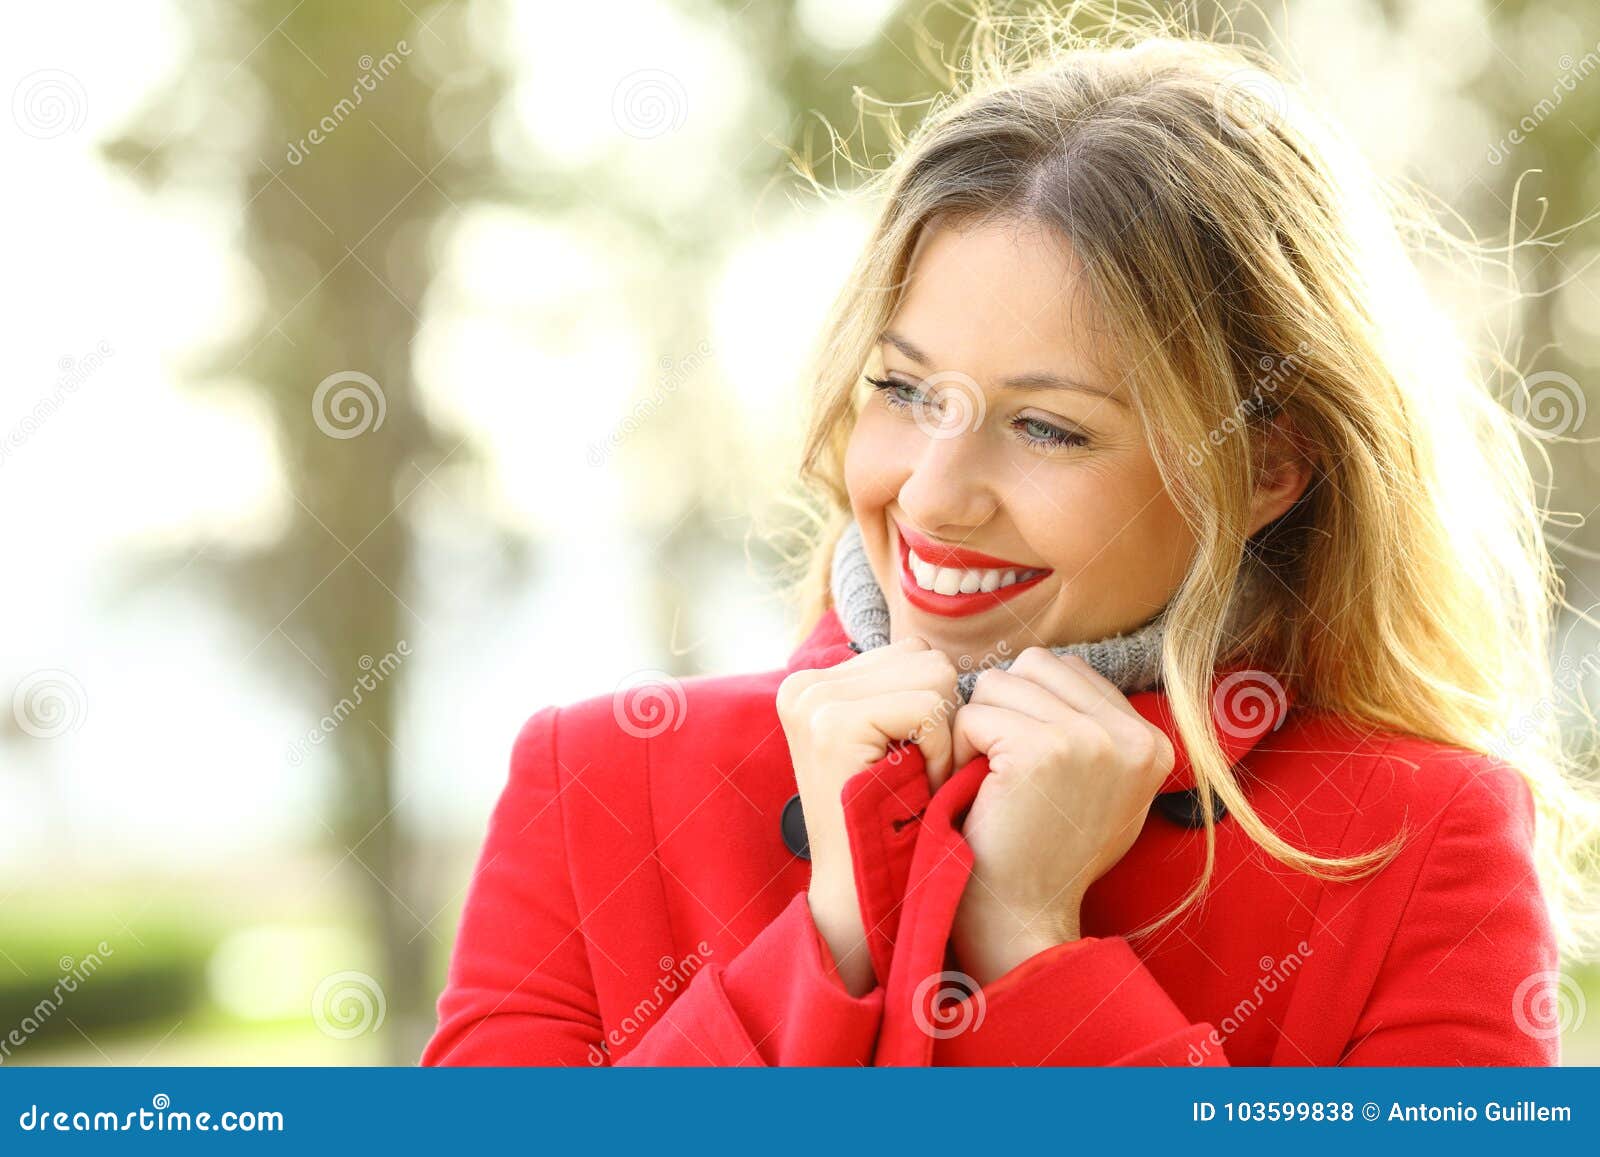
[1012,692]
[977,728]
[901,646]
[1107,705]
[919,716]
[1000,688]
[1114,695]
[910,670]
[938,750]
[1073,681]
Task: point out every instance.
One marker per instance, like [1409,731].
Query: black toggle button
[793,826]
[1185,809]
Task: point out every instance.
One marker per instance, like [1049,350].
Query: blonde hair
[1242,250]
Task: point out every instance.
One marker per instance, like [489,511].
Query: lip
[956,606]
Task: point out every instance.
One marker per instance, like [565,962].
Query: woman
[1180,592]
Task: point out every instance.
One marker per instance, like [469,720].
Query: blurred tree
[316,119]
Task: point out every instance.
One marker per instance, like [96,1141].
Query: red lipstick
[957,558]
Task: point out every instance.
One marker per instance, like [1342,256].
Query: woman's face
[1001,434]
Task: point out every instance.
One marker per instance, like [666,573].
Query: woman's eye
[1034,431]
[1040,433]
[890,389]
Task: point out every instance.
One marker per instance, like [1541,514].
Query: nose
[950,482]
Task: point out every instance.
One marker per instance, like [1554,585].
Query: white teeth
[949,580]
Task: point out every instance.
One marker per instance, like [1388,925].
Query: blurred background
[377,374]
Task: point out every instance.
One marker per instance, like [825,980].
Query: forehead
[1001,297]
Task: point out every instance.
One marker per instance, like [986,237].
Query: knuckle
[985,680]
[812,697]
[1166,756]
[1032,657]
[941,709]
[943,668]
[928,669]
[827,718]
[1150,752]
[790,689]
[1145,750]
[1060,746]
[1086,735]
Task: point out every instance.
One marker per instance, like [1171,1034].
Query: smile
[949,581]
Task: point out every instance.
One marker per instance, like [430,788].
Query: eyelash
[1060,440]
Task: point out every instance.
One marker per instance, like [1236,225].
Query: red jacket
[636,903]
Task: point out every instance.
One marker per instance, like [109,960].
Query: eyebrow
[1037,380]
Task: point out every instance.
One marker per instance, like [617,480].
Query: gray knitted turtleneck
[1131,661]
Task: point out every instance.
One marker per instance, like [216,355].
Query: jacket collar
[1246,704]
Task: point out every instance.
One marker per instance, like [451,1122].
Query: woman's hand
[839,721]
[1073,768]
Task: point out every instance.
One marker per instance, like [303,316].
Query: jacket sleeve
[1471,977]
[778,1002]
[1467,980]
[520,990]
[1086,1002]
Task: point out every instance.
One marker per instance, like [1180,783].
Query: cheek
[870,473]
[1117,524]
[1151,534]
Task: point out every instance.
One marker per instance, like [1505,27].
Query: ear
[1286,472]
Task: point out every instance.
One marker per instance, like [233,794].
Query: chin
[956,637]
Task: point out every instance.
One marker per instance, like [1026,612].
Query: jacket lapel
[912,863]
